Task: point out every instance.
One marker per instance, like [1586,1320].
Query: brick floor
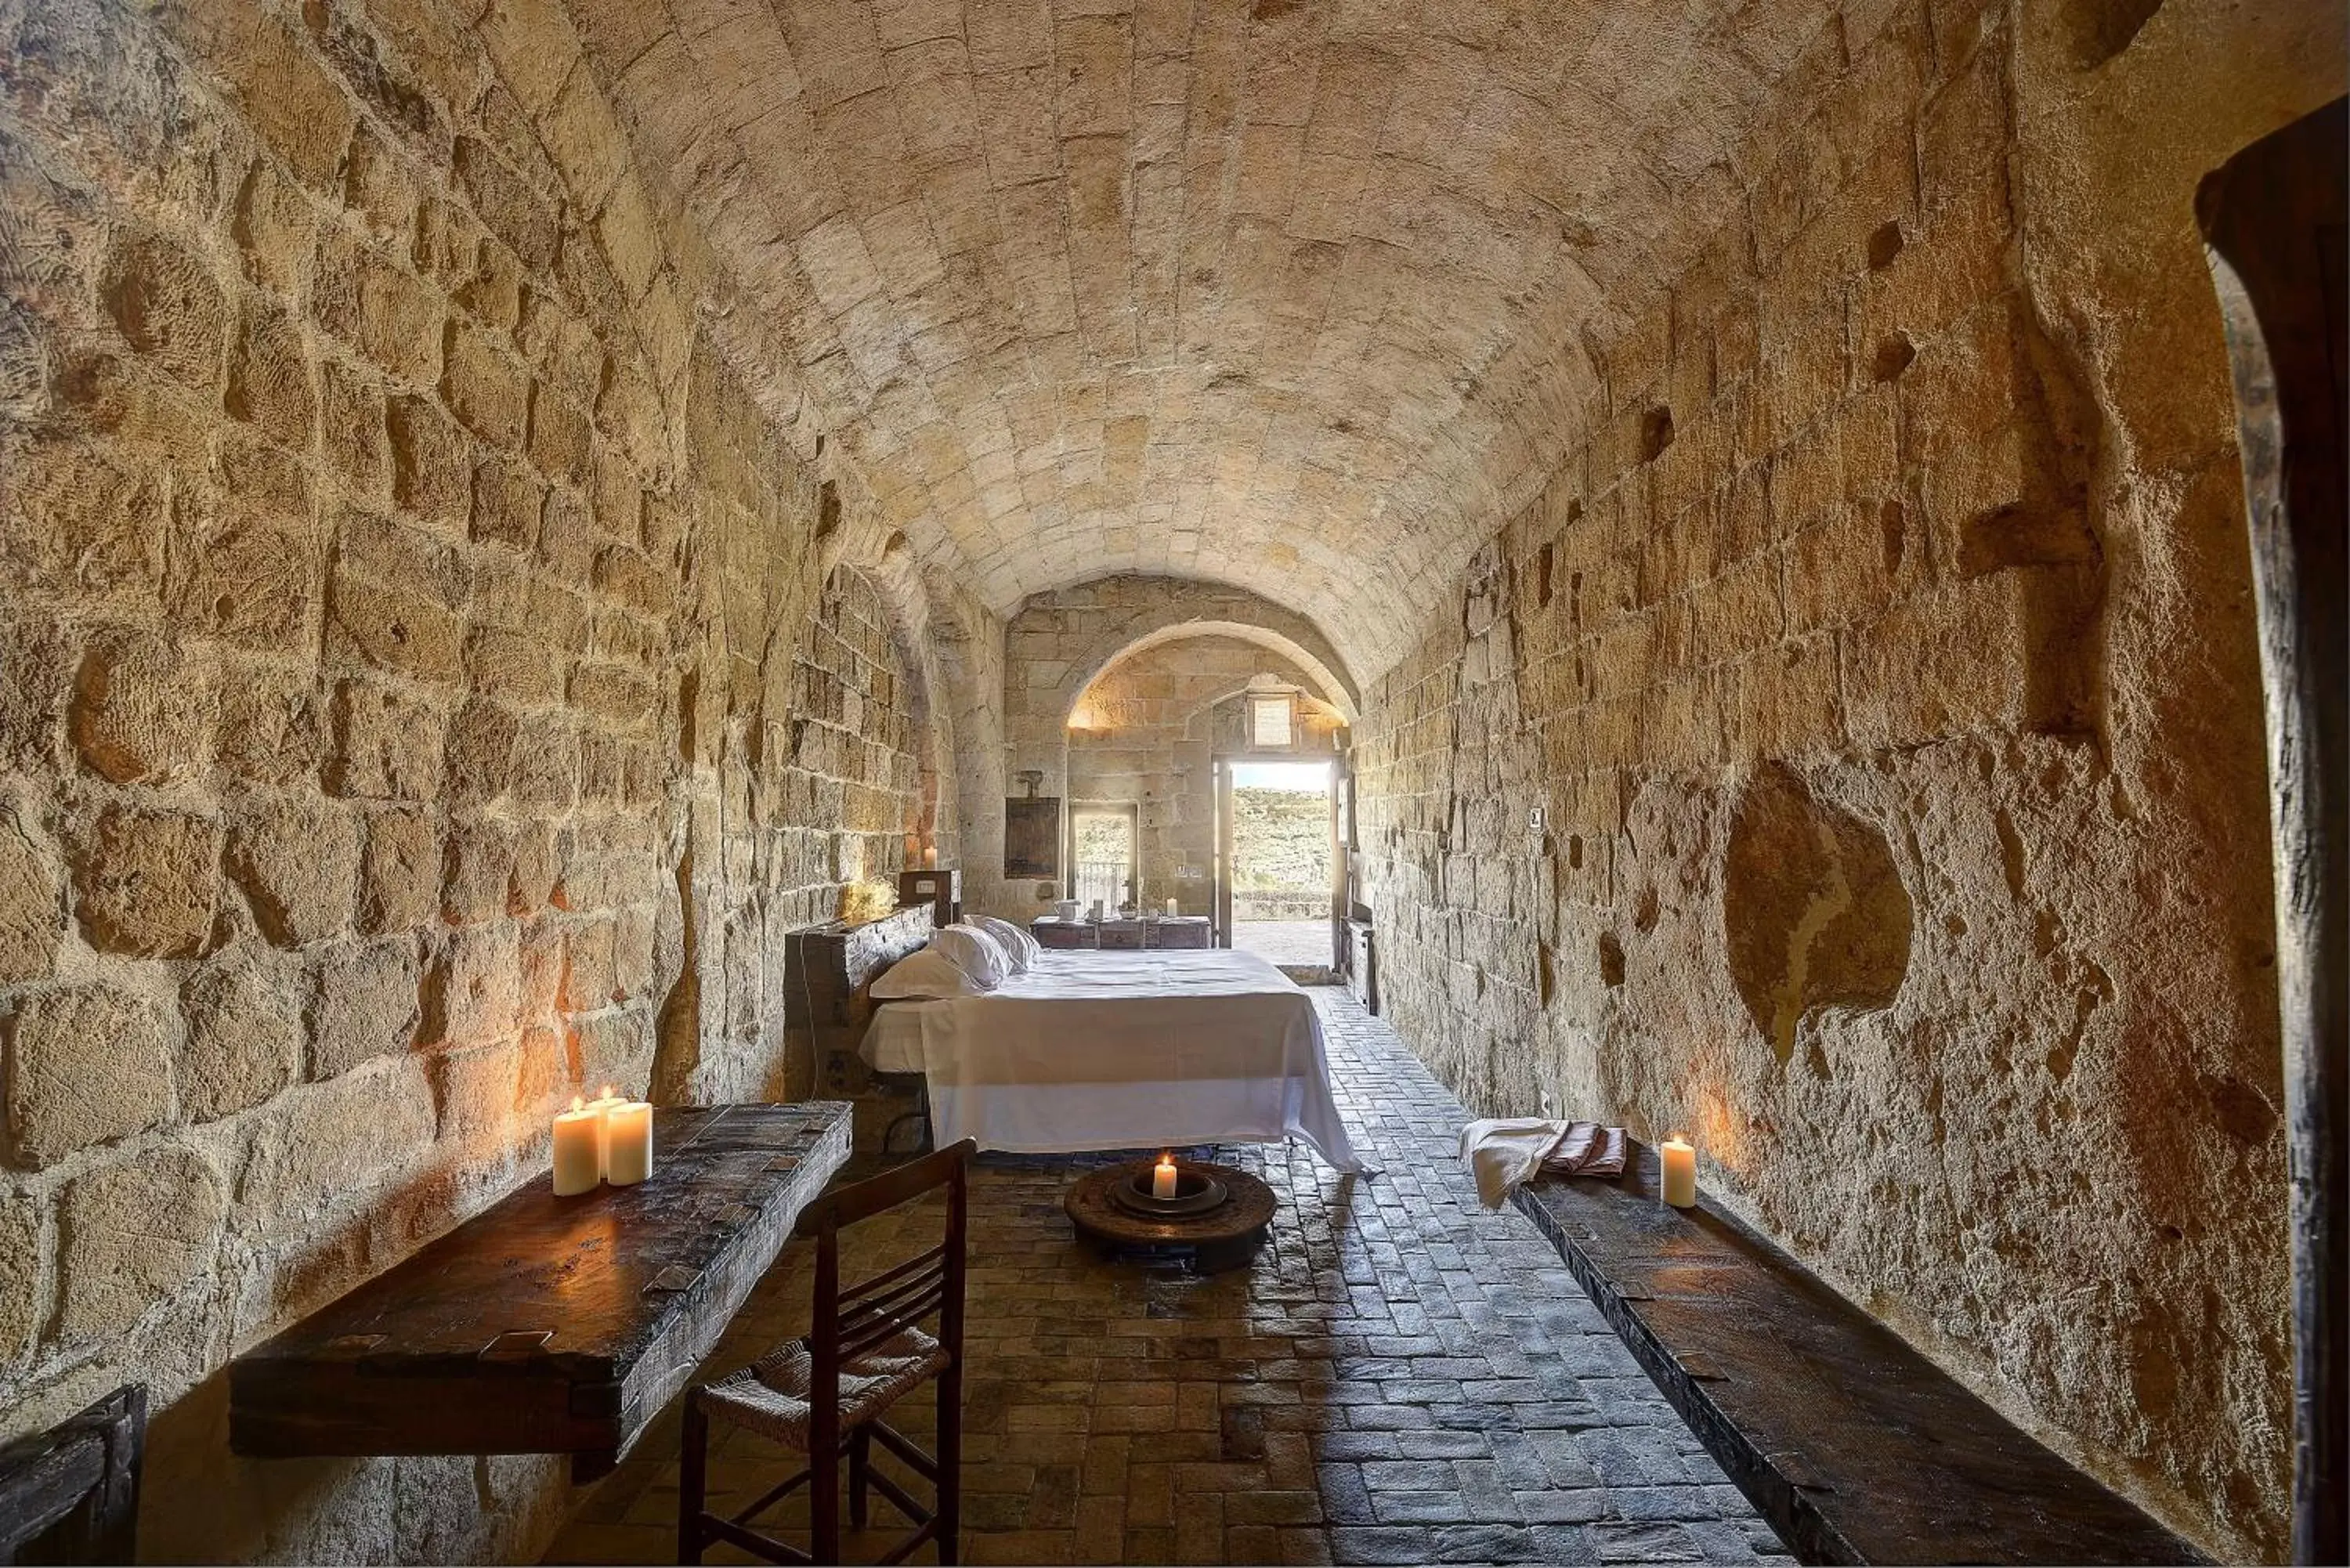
[1400,1377]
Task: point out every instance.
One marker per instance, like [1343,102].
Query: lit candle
[602,1106]
[1679,1161]
[628,1143]
[929,856]
[578,1150]
[1162,1176]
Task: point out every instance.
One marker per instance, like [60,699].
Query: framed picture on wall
[1032,838]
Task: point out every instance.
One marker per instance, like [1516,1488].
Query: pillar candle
[628,1143]
[578,1150]
[1679,1163]
[1162,1176]
[602,1106]
[929,856]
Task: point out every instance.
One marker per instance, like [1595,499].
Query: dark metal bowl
[1195,1193]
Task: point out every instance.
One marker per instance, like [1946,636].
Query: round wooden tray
[1219,1238]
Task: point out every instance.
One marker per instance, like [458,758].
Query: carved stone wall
[421,695]
[1880,661]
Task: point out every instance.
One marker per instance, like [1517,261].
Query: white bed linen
[1121,1050]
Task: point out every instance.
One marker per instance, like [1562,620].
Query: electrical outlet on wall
[1537,819]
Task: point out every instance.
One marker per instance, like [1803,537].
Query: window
[1269,722]
[1106,840]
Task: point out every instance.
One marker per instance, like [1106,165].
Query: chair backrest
[929,1285]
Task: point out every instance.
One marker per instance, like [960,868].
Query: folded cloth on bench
[1507,1151]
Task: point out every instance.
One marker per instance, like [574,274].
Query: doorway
[1278,859]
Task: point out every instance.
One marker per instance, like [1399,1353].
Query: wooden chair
[825,1395]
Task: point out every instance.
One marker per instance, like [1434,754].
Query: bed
[1121,1050]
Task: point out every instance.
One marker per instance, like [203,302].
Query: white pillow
[926,973]
[976,953]
[1019,948]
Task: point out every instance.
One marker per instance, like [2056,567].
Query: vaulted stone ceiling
[1294,295]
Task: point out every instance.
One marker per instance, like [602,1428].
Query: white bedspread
[1121,1050]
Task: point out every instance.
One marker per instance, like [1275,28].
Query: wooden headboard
[835,967]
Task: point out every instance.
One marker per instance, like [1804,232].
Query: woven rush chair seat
[770,1396]
[825,1395]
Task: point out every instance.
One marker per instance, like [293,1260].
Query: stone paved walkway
[1400,1377]
[1304,944]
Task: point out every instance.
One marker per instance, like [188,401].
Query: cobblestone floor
[1400,1377]
[1304,944]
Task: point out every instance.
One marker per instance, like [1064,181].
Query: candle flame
[578,1104]
[608,1090]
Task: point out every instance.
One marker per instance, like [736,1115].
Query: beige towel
[1506,1152]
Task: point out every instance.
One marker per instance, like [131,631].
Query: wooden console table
[546,1325]
[1132,933]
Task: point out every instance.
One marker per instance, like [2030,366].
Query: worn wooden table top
[548,1325]
[1852,1444]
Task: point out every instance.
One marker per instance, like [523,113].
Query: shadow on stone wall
[1814,909]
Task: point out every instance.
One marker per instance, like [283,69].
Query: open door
[2275,220]
[1342,862]
[1223,889]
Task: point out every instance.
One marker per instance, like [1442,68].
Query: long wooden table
[546,1325]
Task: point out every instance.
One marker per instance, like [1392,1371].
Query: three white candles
[1677,1163]
[608,1139]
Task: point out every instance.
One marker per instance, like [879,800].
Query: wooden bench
[1852,1444]
[71,1495]
[546,1325]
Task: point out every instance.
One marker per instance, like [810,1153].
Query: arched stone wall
[1150,736]
[1882,663]
[1061,641]
[405,583]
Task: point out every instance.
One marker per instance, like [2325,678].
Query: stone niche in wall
[1813,907]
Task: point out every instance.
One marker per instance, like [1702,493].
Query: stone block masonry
[426,696]
[1845,659]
